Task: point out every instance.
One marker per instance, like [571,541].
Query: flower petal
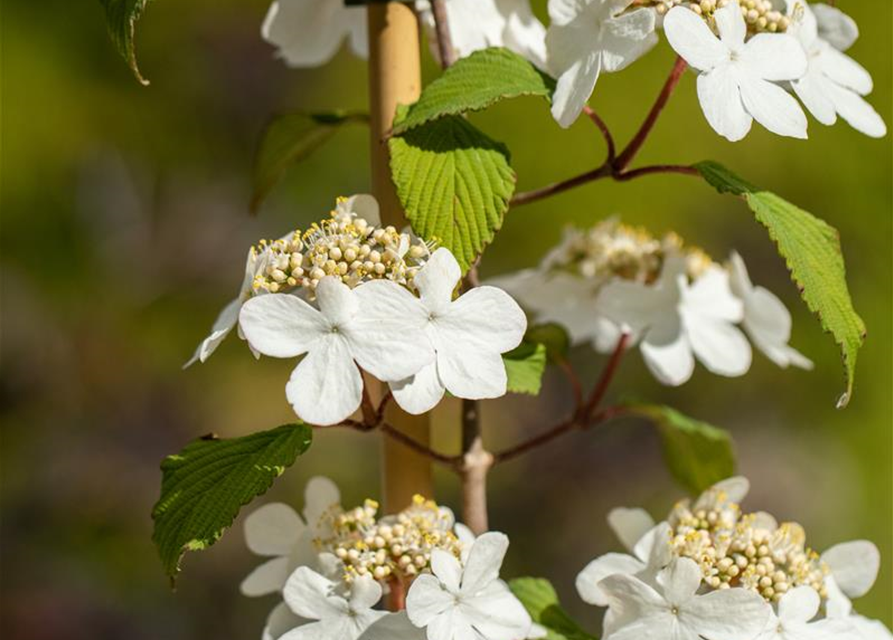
[309,595]
[845,71]
[420,393]
[320,495]
[627,38]
[273,530]
[631,598]
[607,565]
[773,107]
[576,81]
[307,33]
[280,621]
[854,565]
[775,56]
[629,525]
[387,336]
[728,614]
[393,626]
[484,561]
[668,353]
[835,26]
[496,614]
[856,111]
[731,25]
[484,318]
[224,323]
[812,91]
[799,605]
[437,280]
[720,99]
[721,347]
[680,581]
[267,578]
[474,375]
[451,625]
[336,301]
[447,568]
[426,600]
[692,39]
[363,205]
[281,325]
[364,593]
[326,387]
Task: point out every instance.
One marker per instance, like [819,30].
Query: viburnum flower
[678,612]
[469,335]
[794,621]
[334,615]
[736,83]
[587,38]
[766,320]
[834,83]
[678,319]
[479,24]
[308,33]
[378,326]
[459,602]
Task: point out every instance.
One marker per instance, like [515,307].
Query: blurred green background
[124,230]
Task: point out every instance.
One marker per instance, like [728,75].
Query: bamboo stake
[395,78]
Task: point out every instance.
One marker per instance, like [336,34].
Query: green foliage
[698,455]
[525,366]
[204,486]
[811,249]
[289,139]
[474,83]
[541,601]
[551,335]
[455,184]
[121,17]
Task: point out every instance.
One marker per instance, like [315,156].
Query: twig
[604,380]
[442,28]
[392,432]
[609,139]
[655,169]
[573,380]
[476,463]
[526,197]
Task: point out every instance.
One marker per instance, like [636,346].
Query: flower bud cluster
[760,15]
[344,245]
[613,249]
[745,550]
[393,546]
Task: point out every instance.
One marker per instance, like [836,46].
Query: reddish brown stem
[396,595]
[606,133]
[604,380]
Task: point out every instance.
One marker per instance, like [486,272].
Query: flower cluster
[761,16]
[331,586]
[349,295]
[671,298]
[711,572]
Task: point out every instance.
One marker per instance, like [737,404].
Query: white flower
[853,569]
[334,616]
[766,320]
[393,626]
[378,326]
[796,610]
[679,613]
[276,530]
[463,602]
[736,86]
[678,320]
[308,33]
[866,629]
[586,38]
[469,335]
[834,83]
[479,24]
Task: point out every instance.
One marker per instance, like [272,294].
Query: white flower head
[469,335]
[676,611]
[678,320]
[333,615]
[308,33]
[479,24]
[834,83]
[766,320]
[736,84]
[587,38]
[378,326]
[458,602]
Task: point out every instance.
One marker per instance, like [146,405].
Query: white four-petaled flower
[377,326]
[459,602]
[737,81]
[468,334]
[587,38]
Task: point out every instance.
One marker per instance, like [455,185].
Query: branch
[606,133]
[442,28]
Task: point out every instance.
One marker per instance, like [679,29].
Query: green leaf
[289,139]
[698,455]
[455,184]
[551,335]
[474,83]
[525,366]
[204,486]
[541,601]
[811,249]
[121,17]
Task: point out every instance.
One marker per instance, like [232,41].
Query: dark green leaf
[698,455]
[289,139]
[455,184]
[811,249]
[204,486]
[121,17]
[541,601]
[474,83]
[553,336]
[525,366]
